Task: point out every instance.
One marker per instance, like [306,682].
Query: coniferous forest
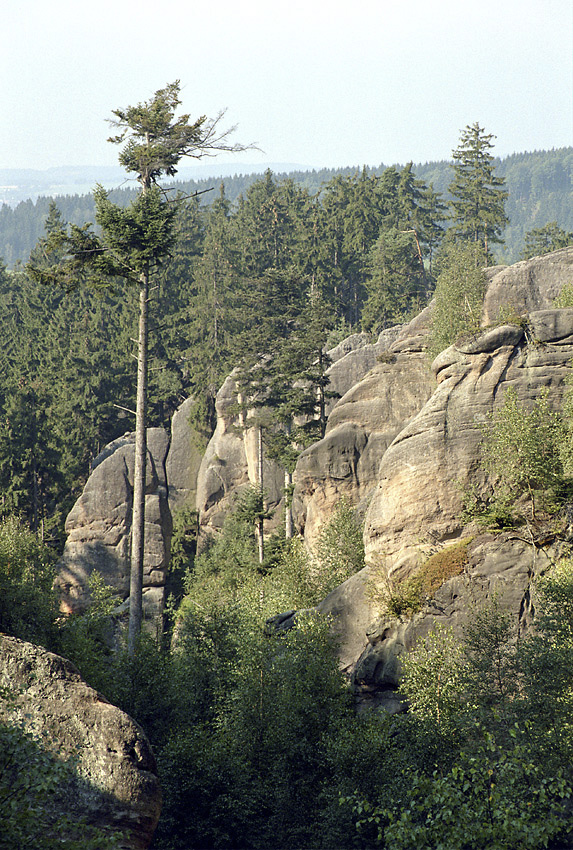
[255,732]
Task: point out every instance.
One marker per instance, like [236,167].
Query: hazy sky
[312,82]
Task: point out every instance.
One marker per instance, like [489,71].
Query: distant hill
[23,184]
[540,186]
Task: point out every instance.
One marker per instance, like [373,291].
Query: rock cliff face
[230,463]
[99,526]
[389,383]
[401,443]
[116,785]
[415,503]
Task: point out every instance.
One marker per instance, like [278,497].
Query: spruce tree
[135,241]
[478,197]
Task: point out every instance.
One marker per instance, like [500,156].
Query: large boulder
[529,285]
[115,785]
[501,567]
[99,526]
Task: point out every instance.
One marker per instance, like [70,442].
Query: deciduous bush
[459,295]
[28,604]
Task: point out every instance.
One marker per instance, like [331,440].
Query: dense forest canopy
[363,248]
[539,186]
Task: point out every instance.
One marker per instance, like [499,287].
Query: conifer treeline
[237,272]
[539,185]
[356,254]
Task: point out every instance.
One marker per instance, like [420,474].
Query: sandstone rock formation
[416,503]
[401,443]
[230,464]
[230,461]
[424,471]
[392,382]
[116,785]
[183,460]
[99,526]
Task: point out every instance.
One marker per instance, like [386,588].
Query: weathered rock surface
[392,382]
[99,526]
[117,786]
[501,566]
[401,443]
[416,503]
[528,285]
[430,462]
[230,464]
[230,461]
[183,460]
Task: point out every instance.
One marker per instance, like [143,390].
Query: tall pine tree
[478,196]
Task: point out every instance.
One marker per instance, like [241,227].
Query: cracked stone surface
[116,784]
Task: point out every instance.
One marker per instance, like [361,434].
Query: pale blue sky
[312,82]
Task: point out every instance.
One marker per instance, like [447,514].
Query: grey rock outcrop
[116,785]
[402,442]
[425,470]
[391,380]
[527,286]
[99,526]
[416,503]
[183,459]
[500,566]
[230,464]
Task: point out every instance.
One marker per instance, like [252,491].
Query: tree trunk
[288,494]
[138,519]
[321,396]
[260,521]
[288,505]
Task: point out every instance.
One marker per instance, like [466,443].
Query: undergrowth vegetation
[254,726]
[406,597]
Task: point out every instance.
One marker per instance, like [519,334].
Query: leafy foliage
[459,295]
[543,240]
[523,448]
[28,604]
[478,196]
[432,677]
[501,778]
[408,596]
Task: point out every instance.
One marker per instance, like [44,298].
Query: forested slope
[253,264]
[539,185]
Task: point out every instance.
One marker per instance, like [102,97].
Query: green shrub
[408,596]
[28,603]
[522,448]
[492,797]
[459,295]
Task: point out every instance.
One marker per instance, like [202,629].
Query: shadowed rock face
[360,428]
[183,459]
[230,463]
[116,786]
